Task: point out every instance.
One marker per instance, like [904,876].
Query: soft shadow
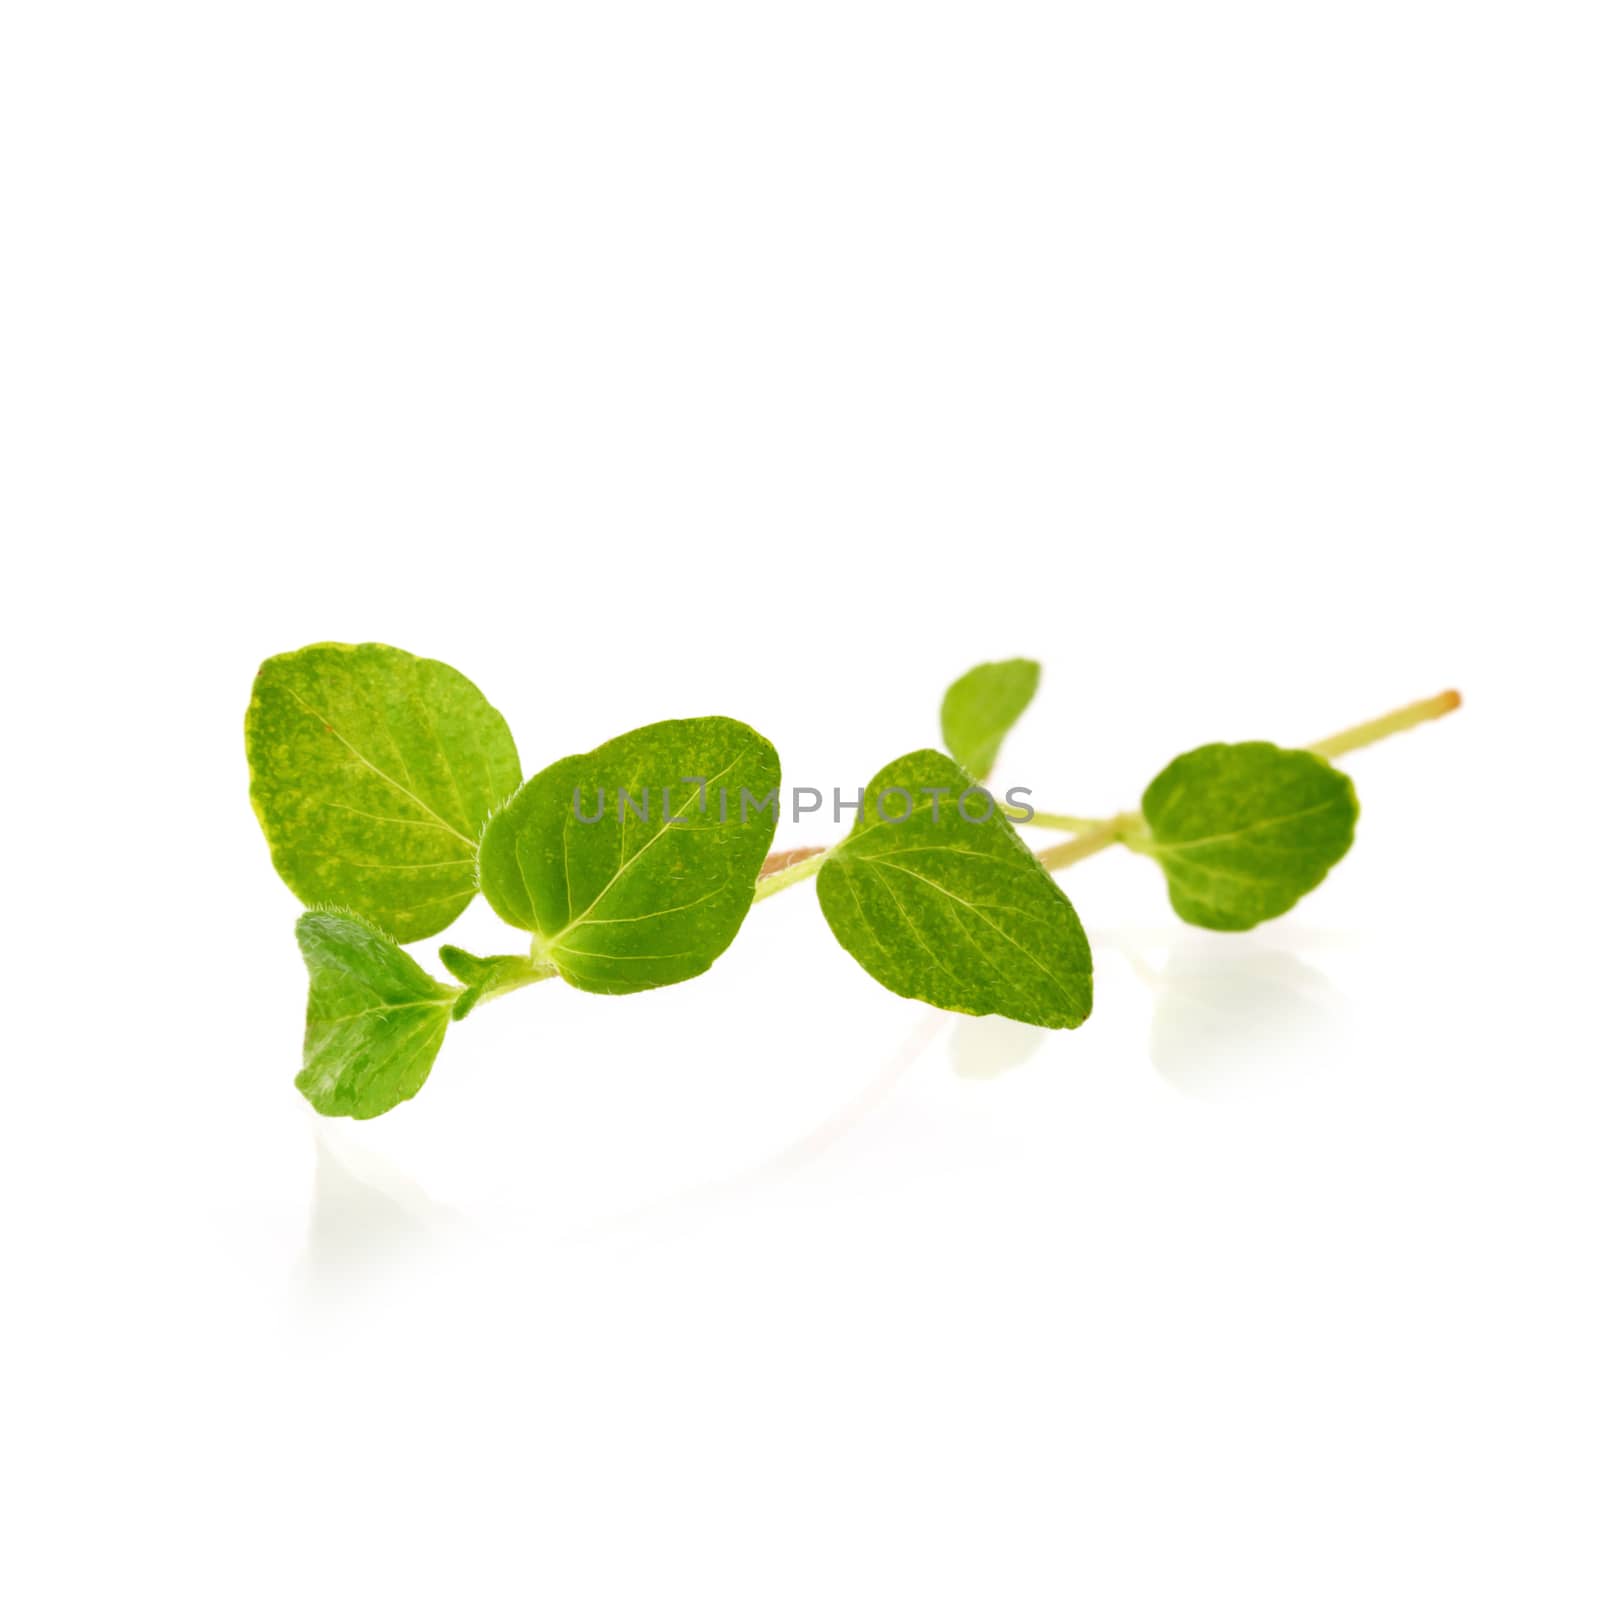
[984,1047]
[369,1222]
[706,1200]
[1235,1019]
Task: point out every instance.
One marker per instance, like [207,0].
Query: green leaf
[625,903]
[374,1018]
[980,709]
[1242,831]
[372,772]
[488,975]
[955,912]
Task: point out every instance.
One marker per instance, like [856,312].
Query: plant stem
[1114,830]
[1124,828]
[1338,744]
[1365,733]
[777,860]
[796,872]
[1050,819]
[512,973]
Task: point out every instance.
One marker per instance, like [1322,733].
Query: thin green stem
[1114,830]
[1126,827]
[498,975]
[1050,819]
[535,972]
[1365,733]
[1338,744]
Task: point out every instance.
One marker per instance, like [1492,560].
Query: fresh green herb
[628,881]
[981,707]
[950,906]
[374,1020]
[372,772]
[1242,831]
[377,776]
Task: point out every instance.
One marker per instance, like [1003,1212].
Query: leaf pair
[376,773]
[1241,831]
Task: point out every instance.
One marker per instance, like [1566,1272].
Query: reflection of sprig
[389,791]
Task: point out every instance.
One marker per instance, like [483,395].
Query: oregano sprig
[390,793]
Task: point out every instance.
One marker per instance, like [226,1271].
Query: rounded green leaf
[981,707]
[955,912]
[627,901]
[372,772]
[1242,831]
[374,1018]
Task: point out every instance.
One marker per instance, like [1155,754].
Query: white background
[1239,362]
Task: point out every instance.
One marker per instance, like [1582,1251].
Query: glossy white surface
[1239,364]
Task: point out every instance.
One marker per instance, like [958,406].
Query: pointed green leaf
[630,902]
[955,912]
[980,709]
[488,975]
[372,772]
[1242,831]
[374,1018]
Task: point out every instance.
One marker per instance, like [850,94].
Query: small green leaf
[372,772]
[374,1018]
[628,902]
[1242,831]
[955,912]
[980,709]
[488,975]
